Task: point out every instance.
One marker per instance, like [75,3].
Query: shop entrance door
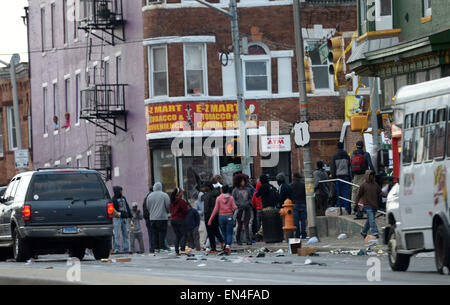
[193,171]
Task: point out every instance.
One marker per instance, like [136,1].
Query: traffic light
[309,76]
[336,47]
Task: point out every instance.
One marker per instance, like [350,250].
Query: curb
[11,280]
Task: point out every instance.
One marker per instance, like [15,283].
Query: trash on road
[116,260]
[261,254]
[342,236]
[312,240]
[294,244]
[49,267]
[29,262]
[229,280]
[280,251]
[242,260]
[310,262]
[305,251]
[201,265]
[282,263]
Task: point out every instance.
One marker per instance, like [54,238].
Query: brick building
[189,67]
[8,140]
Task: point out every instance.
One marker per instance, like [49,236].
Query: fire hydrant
[288,212]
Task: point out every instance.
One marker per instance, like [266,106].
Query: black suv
[52,211]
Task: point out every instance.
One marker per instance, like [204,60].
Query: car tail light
[110,210]
[26,212]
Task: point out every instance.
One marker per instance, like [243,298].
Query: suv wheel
[397,261]
[21,247]
[442,249]
[78,252]
[101,248]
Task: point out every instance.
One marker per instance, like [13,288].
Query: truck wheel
[442,249]
[78,252]
[21,247]
[101,249]
[397,261]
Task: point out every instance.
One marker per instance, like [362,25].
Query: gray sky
[13,33]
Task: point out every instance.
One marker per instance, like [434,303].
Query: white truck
[418,214]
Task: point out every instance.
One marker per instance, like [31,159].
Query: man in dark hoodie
[285,190]
[299,201]
[211,194]
[121,221]
[341,168]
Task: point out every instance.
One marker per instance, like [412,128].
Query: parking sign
[21,158]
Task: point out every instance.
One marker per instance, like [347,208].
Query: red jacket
[178,209]
[257,201]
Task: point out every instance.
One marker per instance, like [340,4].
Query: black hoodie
[120,203]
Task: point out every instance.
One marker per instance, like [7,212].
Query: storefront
[276,155]
[190,142]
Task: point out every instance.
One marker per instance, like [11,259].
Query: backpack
[359,163]
[274,196]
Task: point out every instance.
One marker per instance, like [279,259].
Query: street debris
[201,265]
[229,280]
[116,260]
[305,251]
[342,236]
[242,260]
[29,262]
[294,244]
[312,240]
[280,251]
[310,262]
[282,263]
[261,254]
[49,267]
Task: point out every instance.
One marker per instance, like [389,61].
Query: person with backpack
[321,190]
[361,161]
[341,168]
[299,201]
[242,195]
[270,197]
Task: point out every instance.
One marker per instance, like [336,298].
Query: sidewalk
[326,244]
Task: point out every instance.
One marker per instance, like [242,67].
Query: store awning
[262,130]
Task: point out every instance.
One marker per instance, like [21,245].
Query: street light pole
[15,59]
[303,100]
[233,16]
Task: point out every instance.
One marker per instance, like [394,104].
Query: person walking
[192,229]
[158,205]
[135,228]
[199,205]
[368,197]
[178,211]
[225,207]
[242,195]
[341,169]
[146,216]
[299,201]
[212,228]
[257,206]
[321,190]
[120,223]
[361,162]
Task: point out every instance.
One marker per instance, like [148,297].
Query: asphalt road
[286,270]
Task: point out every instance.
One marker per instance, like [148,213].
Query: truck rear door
[67,198]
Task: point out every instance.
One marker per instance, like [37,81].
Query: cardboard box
[305,251]
[294,244]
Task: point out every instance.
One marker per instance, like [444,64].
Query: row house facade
[87,86]
[8,137]
[190,76]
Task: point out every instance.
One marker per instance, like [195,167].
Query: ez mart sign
[276,143]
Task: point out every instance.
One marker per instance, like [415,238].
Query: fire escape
[102,102]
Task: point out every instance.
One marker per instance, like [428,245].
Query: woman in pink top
[225,206]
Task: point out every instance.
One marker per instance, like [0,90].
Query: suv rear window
[58,186]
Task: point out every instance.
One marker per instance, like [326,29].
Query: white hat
[134,204]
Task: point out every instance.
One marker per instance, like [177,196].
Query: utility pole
[376,139]
[15,59]
[303,100]
[233,16]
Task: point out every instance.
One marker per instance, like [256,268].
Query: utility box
[359,122]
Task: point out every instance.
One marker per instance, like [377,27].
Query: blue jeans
[300,217]
[343,190]
[226,224]
[121,225]
[370,223]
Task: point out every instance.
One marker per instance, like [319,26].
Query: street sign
[323,51]
[21,158]
[301,133]
[231,167]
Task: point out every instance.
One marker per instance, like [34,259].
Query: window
[45,110]
[430,129]
[158,68]
[363,10]
[1,134]
[88,161]
[322,78]
[43,29]
[67,94]
[12,135]
[78,163]
[21,188]
[418,137]
[10,191]
[55,106]
[65,23]
[106,71]
[389,91]
[77,98]
[53,16]
[257,70]
[194,69]
[426,8]
[407,149]
[119,79]
[384,15]
[75,27]
[439,147]
[386,7]
[94,74]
